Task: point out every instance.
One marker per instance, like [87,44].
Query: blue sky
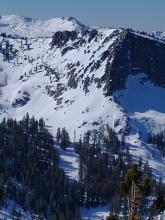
[140,14]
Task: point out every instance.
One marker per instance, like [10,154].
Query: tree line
[31,176]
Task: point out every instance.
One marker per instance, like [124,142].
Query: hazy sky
[140,14]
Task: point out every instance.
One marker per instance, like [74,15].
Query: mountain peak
[29,27]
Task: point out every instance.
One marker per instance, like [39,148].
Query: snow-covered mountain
[82,78]
[34,28]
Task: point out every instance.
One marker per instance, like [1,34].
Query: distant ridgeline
[30,175]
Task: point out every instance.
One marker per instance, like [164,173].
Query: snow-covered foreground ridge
[82,78]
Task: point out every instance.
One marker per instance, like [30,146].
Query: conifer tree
[135,186]
[65,140]
[58,135]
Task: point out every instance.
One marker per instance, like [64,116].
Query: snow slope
[144,104]
[73,112]
[69,162]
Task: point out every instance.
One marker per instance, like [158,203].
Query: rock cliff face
[135,54]
[130,53]
[61,38]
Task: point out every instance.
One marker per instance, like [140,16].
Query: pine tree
[58,135]
[65,140]
[135,186]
